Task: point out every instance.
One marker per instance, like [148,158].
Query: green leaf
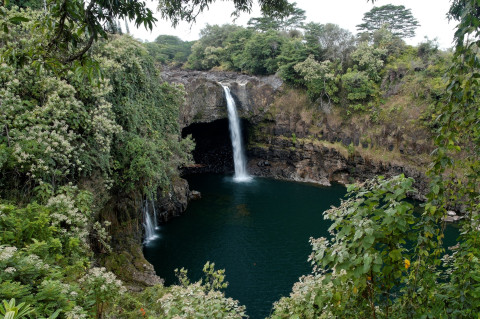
[18,20]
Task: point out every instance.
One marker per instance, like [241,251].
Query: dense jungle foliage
[80,105]
[335,66]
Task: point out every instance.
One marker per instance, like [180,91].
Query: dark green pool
[257,231]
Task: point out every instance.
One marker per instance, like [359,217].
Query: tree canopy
[397,19]
[71,27]
[292,18]
[188,10]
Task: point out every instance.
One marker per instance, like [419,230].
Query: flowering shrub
[193,301]
[302,299]
[100,286]
[53,133]
[202,299]
[44,251]
[359,272]
[27,277]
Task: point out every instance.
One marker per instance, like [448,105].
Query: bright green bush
[320,79]
[358,88]
[148,150]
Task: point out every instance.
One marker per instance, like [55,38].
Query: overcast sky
[346,13]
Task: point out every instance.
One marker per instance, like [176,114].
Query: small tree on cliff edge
[396,19]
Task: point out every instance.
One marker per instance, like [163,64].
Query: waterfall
[241,174]
[155,220]
[148,223]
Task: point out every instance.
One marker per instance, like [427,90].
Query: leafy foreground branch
[373,265]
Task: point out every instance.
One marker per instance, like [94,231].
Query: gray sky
[346,13]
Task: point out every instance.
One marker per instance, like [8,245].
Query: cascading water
[155,220]
[148,223]
[241,174]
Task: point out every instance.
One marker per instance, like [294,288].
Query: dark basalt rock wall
[316,163]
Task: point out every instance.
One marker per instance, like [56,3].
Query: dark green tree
[311,36]
[397,19]
[71,27]
[207,52]
[188,10]
[169,48]
[329,42]
[292,19]
[264,24]
[32,4]
[233,46]
[293,51]
[261,53]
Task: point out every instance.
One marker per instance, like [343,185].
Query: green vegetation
[334,66]
[119,131]
[374,274]
[396,19]
[85,117]
[79,105]
[203,298]
[169,49]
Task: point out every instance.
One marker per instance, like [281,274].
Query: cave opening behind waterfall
[213,151]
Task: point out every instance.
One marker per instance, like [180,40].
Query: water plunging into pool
[149,224]
[239,161]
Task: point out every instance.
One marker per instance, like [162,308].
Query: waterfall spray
[241,174]
[148,223]
[155,219]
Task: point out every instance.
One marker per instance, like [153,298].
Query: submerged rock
[452,217]
[195,195]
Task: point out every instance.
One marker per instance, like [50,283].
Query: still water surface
[257,231]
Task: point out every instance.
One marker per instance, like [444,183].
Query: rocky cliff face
[205,100]
[289,138]
[316,162]
[174,201]
[127,260]
[126,217]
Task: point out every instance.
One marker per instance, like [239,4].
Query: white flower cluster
[14,261]
[102,234]
[77,313]
[33,260]
[66,214]
[104,126]
[7,252]
[302,299]
[193,299]
[102,280]
[47,134]
[10,270]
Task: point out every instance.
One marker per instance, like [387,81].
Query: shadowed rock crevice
[213,150]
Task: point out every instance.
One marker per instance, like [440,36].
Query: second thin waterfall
[239,162]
